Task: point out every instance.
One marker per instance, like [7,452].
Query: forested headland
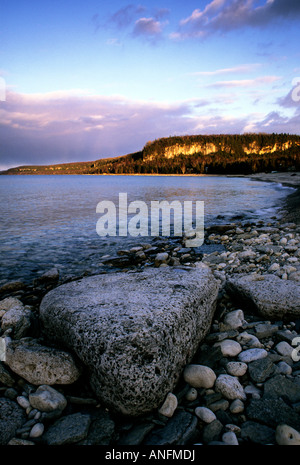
[194,154]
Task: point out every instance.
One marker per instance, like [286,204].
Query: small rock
[287,436]
[169,406]
[199,376]
[12,417]
[23,402]
[230,387]
[205,414]
[252,354]
[257,433]
[234,319]
[161,257]
[284,368]
[284,348]
[229,347]
[237,406]
[236,368]
[40,364]
[191,395]
[249,341]
[37,430]
[212,431]
[68,430]
[261,369]
[47,399]
[230,438]
[20,442]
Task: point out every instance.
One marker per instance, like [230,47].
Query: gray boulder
[134,332]
[269,295]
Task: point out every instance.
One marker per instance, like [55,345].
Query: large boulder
[268,295]
[134,332]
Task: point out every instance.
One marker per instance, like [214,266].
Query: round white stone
[169,406]
[199,376]
[205,414]
[229,348]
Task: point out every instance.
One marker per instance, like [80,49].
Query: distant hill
[198,154]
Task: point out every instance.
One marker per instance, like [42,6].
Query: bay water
[50,221]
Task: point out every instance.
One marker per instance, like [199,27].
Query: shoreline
[291,203]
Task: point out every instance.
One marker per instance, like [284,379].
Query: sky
[83,80]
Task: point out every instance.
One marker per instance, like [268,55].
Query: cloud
[72,126]
[147,27]
[61,127]
[226,15]
[245,82]
[234,70]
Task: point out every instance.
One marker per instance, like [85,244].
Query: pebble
[230,438]
[37,430]
[47,399]
[287,436]
[205,414]
[252,354]
[169,406]
[236,368]
[230,387]
[237,406]
[284,348]
[23,402]
[199,376]
[229,347]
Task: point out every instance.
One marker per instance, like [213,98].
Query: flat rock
[135,332]
[268,295]
[261,369]
[178,431]
[280,385]
[68,430]
[257,433]
[272,411]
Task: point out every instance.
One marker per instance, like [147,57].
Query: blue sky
[86,80]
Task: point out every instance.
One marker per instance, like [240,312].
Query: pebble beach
[242,386]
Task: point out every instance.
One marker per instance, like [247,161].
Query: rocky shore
[242,384]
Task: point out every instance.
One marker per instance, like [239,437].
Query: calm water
[51,221]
